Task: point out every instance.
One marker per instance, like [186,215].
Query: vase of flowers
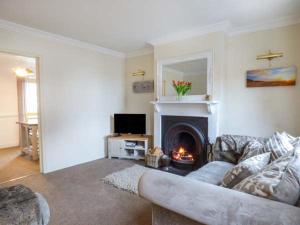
[181,87]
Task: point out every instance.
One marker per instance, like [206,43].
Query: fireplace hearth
[184,140]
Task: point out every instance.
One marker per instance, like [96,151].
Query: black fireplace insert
[184,140]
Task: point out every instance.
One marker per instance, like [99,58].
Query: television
[130,123]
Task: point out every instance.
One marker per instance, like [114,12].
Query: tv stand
[128,146]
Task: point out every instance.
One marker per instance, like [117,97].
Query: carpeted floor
[13,165]
[127,179]
[77,196]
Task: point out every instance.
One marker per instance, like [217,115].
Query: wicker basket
[152,160]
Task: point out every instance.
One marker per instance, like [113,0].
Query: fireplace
[184,140]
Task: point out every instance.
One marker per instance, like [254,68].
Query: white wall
[261,111]
[140,102]
[79,91]
[214,42]
[9,130]
[247,111]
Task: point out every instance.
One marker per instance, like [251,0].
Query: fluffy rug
[126,179]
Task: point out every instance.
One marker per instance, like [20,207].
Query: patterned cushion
[245,169]
[279,145]
[279,181]
[293,140]
[253,148]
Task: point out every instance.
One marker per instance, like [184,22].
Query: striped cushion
[293,140]
[278,145]
[248,167]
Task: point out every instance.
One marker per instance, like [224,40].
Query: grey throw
[19,205]
[230,148]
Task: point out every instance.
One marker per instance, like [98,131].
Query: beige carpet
[13,165]
[77,196]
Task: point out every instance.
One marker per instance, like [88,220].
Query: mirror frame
[159,70]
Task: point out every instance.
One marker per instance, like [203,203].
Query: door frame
[38,82]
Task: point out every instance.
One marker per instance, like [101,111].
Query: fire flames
[182,154]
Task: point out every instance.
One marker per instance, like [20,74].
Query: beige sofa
[197,198]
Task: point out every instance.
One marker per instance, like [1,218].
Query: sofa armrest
[44,209]
[211,204]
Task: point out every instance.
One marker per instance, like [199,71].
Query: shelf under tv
[118,148]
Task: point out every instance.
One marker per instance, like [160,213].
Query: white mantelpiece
[210,105]
[199,108]
[189,105]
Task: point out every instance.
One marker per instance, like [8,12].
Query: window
[31,108]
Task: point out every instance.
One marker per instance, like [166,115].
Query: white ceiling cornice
[226,27]
[276,23]
[7,25]
[222,26]
[141,52]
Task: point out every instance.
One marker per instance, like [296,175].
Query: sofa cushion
[293,140]
[279,181]
[253,148]
[244,169]
[212,172]
[279,145]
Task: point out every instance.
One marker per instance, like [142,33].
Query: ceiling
[128,25]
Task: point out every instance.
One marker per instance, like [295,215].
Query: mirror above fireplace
[195,69]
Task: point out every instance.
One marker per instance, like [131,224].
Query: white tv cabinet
[128,146]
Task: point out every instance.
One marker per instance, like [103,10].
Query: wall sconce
[139,73]
[270,55]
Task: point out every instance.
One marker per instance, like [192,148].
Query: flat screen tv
[130,123]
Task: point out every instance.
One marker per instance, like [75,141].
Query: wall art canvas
[283,76]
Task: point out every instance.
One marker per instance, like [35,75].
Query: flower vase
[179,96]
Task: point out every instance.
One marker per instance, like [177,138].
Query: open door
[20,148]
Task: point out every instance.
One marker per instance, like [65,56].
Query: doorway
[20,149]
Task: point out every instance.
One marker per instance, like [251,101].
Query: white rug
[126,179]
